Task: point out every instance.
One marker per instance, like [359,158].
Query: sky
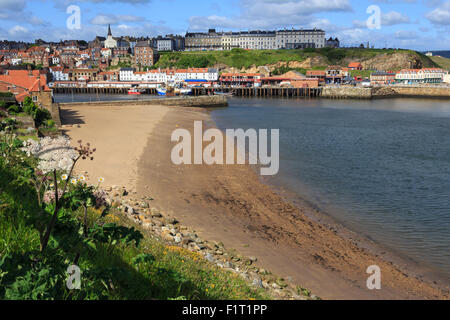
[414,24]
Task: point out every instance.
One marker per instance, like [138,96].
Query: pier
[262,92]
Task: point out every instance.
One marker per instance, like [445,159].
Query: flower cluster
[53,153]
[49,196]
[85,151]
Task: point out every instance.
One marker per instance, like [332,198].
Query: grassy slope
[176,273]
[245,58]
[442,62]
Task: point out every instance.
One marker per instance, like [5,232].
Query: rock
[171,221]
[129,210]
[177,239]
[144,205]
[167,236]
[124,192]
[155,213]
[209,257]
[228,265]
[253,259]
[257,282]
[186,241]
[276,286]
[219,253]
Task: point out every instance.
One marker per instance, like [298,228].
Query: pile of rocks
[169,230]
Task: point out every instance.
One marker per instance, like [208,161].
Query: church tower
[110,42]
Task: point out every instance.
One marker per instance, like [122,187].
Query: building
[332,43]
[255,40]
[355,66]
[170,75]
[59,74]
[165,44]
[446,78]
[110,42]
[108,76]
[241,79]
[83,74]
[335,74]
[144,54]
[382,77]
[317,74]
[415,76]
[203,41]
[126,74]
[27,83]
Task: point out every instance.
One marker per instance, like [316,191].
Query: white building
[170,75]
[165,44]
[426,75]
[256,40]
[446,78]
[110,42]
[126,74]
[59,74]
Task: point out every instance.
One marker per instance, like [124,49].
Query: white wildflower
[53,153]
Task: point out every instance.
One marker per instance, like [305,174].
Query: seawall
[201,102]
[344,92]
[347,93]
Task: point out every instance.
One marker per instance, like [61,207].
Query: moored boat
[134,91]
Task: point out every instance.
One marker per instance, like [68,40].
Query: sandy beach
[230,204]
[118,133]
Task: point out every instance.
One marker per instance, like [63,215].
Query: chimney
[30,72]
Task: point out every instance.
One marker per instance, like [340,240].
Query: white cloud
[17,30]
[440,15]
[392,18]
[271,14]
[102,19]
[402,34]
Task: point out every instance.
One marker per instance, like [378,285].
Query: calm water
[380,167]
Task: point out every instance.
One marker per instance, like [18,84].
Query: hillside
[442,62]
[280,61]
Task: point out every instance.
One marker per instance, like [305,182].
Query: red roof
[35,82]
[355,65]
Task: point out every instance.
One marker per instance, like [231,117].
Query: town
[129,66]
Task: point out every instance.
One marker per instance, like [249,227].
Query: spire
[109,30]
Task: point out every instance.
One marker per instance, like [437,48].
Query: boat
[134,91]
[161,91]
[183,91]
[227,94]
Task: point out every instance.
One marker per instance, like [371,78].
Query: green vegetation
[40,115]
[361,73]
[442,62]
[50,221]
[240,58]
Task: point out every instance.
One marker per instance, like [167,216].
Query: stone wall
[347,93]
[437,92]
[201,101]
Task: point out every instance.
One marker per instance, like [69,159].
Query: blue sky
[416,24]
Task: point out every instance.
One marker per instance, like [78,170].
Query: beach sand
[230,204]
[118,133]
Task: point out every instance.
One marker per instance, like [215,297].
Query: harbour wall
[201,102]
[343,92]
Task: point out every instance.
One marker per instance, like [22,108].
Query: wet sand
[230,204]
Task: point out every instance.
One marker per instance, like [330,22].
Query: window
[34,98]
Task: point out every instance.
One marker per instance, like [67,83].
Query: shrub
[14,109]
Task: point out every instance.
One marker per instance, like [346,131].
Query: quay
[262,92]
